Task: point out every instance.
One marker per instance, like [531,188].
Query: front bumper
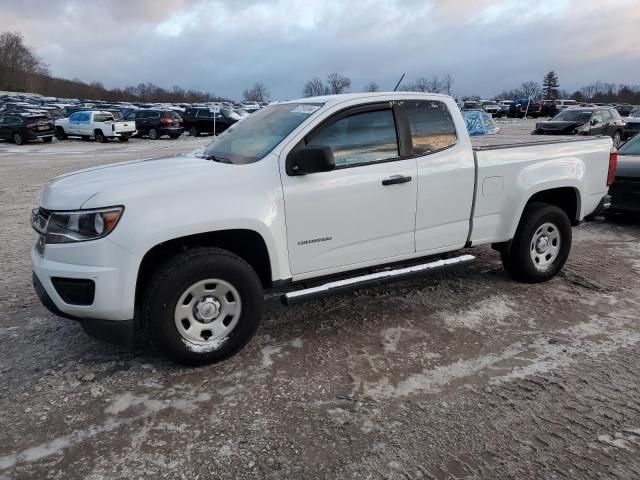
[35,134]
[118,332]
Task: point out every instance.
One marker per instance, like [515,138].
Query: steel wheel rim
[544,248]
[207,312]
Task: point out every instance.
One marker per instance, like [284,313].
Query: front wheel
[18,139]
[202,306]
[60,135]
[541,244]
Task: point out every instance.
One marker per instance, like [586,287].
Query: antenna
[398,84]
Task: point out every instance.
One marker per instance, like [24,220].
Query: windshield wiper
[217,159]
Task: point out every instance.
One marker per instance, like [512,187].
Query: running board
[373,279]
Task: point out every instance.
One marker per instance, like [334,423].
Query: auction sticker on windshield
[308,109]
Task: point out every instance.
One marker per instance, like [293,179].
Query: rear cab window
[102,117]
[431,124]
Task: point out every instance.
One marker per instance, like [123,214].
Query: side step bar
[372,279]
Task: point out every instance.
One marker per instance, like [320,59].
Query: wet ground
[465,375]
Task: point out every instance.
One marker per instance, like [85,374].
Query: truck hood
[116,182]
[558,126]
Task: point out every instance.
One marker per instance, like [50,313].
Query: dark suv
[20,127]
[584,121]
[155,123]
[203,120]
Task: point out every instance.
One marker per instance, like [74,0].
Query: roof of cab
[329,100]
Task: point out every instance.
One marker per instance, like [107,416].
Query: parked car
[491,107]
[625,190]
[297,192]
[584,121]
[522,107]
[624,109]
[631,124]
[479,123]
[471,105]
[548,108]
[98,124]
[205,120]
[505,105]
[156,123]
[20,127]
[562,104]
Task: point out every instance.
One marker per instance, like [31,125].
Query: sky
[225,46]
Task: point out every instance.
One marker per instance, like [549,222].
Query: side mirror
[594,121]
[310,159]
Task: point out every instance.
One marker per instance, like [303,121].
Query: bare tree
[372,87]
[434,84]
[258,93]
[530,89]
[18,62]
[447,83]
[315,88]
[338,83]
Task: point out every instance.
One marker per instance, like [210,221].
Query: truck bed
[494,142]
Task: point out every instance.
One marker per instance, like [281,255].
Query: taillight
[613,164]
[166,121]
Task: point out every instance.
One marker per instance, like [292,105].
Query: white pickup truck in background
[100,125]
[309,198]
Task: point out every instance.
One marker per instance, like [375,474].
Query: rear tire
[193,131]
[203,282]
[100,138]
[541,244]
[617,138]
[153,134]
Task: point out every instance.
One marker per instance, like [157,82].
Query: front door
[363,211]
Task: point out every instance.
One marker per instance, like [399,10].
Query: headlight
[76,226]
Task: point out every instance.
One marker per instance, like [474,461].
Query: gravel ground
[464,375]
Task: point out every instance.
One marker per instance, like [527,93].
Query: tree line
[596,92]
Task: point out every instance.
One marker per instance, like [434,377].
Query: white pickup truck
[308,198]
[100,125]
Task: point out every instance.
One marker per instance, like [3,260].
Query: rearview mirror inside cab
[310,159]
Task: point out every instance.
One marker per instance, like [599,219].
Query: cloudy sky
[225,46]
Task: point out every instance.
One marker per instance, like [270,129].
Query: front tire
[60,135]
[18,139]
[203,306]
[541,244]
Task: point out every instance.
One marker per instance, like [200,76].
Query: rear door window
[431,125]
[606,115]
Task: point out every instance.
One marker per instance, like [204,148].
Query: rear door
[363,211]
[446,175]
[4,131]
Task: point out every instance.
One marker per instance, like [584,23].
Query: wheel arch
[247,244]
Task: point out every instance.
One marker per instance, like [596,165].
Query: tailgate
[129,126]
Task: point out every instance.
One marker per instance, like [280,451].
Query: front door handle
[396,179]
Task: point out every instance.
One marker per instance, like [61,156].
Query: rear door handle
[396,179]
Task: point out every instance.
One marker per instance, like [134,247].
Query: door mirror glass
[310,159]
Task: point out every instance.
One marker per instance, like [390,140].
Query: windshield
[582,116]
[632,147]
[252,139]
[635,113]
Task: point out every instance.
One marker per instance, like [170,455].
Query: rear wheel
[193,131]
[203,306]
[153,134]
[60,135]
[617,138]
[541,244]
[18,139]
[100,138]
